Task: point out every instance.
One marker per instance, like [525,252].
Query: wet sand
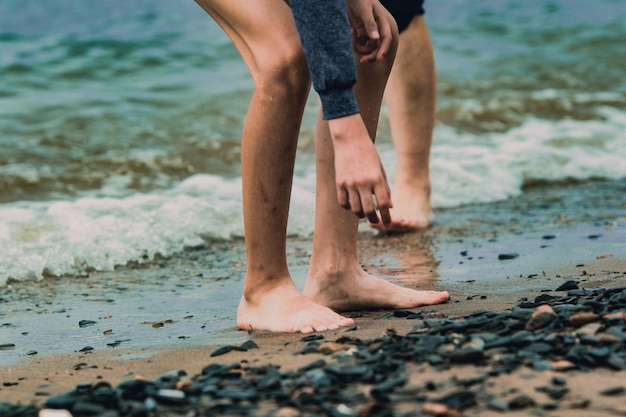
[166,314]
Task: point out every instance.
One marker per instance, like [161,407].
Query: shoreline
[558,233]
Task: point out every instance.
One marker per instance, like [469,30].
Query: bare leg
[410,99]
[274,57]
[336,278]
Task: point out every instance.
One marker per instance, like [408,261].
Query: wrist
[348,130]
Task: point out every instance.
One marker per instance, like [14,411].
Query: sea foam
[100,232]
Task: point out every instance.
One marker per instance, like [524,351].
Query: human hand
[361,181]
[373,29]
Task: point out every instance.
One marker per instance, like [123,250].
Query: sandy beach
[142,321]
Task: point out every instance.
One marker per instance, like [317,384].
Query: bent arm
[325,34]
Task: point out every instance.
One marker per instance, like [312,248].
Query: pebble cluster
[582,330]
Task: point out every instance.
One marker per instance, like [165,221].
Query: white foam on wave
[61,237]
[468,168]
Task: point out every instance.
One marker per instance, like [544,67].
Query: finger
[343,198]
[355,204]
[386,36]
[363,46]
[371,26]
[369,57]
[384,46]
[368,205]
[360,35]
[385,216]
[383,201]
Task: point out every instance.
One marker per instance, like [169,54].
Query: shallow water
[190,299]
[120,122]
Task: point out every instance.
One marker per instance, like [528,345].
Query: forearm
[324,31]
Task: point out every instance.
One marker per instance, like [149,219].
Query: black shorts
[404,10]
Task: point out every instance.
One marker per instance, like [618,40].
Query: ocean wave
[74,236]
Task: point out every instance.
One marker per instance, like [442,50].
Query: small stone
[541,317]
[81,408]
[402,313]
[608,339]
[435,315]
[555,393]
[613,391]
[459,400]
[249,344]
[616,361]
[312,337]
[170,395]
[330,347]
[563,365]
[222,350]
[521,402]
[86,323]
[507,256]
[498,404]
[437,409]
[45,412]
[287,412]
[568,285]
[583,318]
[616,315]
[590,329]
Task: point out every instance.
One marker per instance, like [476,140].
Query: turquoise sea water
[120,121]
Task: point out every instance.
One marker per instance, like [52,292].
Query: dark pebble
[312,337]
[499,343]
[548,237]
[403,313]
[498,404]
[521,402]
[86,323]
[550,406]
[614,391]
[555,393]
[568,285]
[507,256]
[540,299]
[459,400]
[222,350]
[249,344]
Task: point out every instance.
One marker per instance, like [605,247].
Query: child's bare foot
[411,209]
[358,290]
[284,309]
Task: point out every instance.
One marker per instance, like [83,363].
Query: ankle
[415,183]
[258,289]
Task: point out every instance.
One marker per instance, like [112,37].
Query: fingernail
[374,34]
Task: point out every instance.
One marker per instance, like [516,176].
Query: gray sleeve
[324,31]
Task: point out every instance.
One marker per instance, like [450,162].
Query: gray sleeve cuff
[338,103]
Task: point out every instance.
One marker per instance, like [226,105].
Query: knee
[283,71]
